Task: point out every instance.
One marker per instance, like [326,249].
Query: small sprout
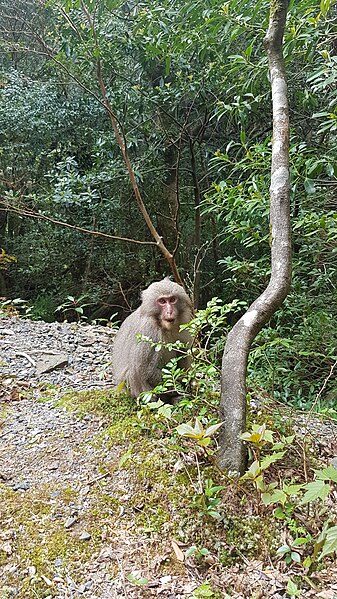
[197,432]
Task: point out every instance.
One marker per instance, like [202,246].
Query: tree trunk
[232,454]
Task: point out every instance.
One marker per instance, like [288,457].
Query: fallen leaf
[179,554]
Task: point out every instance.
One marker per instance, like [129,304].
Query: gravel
[83,352]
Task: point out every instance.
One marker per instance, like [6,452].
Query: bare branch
[26,212]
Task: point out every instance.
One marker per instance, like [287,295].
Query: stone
[21,486]
[70,522]
[51,362]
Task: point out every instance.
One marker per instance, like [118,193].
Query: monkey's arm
[145,362]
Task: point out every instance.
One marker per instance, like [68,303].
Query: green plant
[205,590]
[202,436]
[290,553]
[208,500]
[42,308]
[6,259]
[258,438]
[13,307]
[137,580]
[73,308]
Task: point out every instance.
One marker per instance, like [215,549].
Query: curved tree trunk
[232,453]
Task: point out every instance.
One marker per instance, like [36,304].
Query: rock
[70,522]
[85,536]
[58,562]
[49,363]
[53,466]
[21,486]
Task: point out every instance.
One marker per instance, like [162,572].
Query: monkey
[164,307]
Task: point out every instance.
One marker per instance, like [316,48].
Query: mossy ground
[152,493]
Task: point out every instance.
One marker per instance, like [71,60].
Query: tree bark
[232,453]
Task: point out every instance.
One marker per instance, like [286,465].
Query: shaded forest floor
[93,504]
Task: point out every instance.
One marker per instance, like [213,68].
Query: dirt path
[66,528]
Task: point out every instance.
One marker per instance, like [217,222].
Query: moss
[150,497]
[120,412]
[249,536]
[4,411]
[127,429]
[40,538]
[160,496]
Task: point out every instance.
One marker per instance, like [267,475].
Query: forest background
[188,85]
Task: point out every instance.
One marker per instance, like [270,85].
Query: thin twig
[31,214]
[97,478]
[24,355]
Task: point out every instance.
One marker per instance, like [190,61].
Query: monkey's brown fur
[136,362]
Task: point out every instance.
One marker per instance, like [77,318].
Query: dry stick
[322,388]
[121,142]
[31,214]
[97,478]
[197,225]
[24,355]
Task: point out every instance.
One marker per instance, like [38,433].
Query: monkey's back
[132,358]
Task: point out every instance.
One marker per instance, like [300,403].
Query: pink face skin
[168,311]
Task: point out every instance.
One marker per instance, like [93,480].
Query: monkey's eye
[172,300]
[161,301]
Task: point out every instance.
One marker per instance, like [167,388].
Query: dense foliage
[188,85]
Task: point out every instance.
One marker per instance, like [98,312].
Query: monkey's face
[168,311]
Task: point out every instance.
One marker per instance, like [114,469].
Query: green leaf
[194,432]
[165,411]
[300,541]
[330,544]
[295,557]
[324,6]
[277,496]
[291,489]
[328,473]
[124,458]
[282,550]
[270,459]
[212,429]
[307,562]
[190,551]
[309,186]
[316,490]
[253,471]
[185,430]
[279,513]
[204,442]
[292,588]
[139,582]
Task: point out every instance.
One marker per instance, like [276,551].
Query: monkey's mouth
[168,324]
